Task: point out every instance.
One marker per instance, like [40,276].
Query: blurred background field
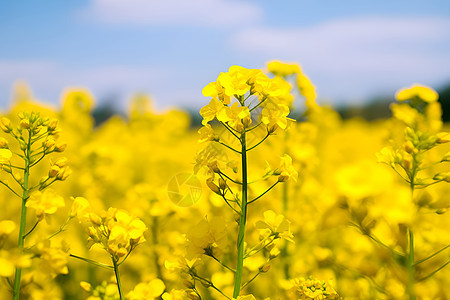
[125,79]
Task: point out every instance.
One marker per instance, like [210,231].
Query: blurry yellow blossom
[7,267]
[275,116]
[78,98]
[274,224]
[52,260]
[313,289]
[10,260]
[283,69]
[208,237]
[6,227]
[286,170]
[3,142]
[206,134]
[308,91]
[5,156]
[45,203]
[421,92]
[5,124]
[147,291]
[80,207]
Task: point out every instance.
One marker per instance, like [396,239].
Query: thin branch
[18,182]
[375,239]
[37,161]
[228,203]
[263,247]
[92,262]
[5,184]
[16,167]
[432,255]
[31,230]
[267,135]
[222,264]
[227,177]
[253,278]
[231,148]
[251,201]
[230,130]
[435,271]
[259,104]
[210,284]
[251,128]
[61,228]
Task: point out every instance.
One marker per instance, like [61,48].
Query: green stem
[116,271]
[411,267]
[23,218]
[284,250]
[242,221]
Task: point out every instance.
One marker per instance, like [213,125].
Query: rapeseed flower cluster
[322,208]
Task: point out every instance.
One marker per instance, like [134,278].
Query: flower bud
[272,128]
[54,170]
[86,286]
[52,124]
[188,284]
[246,122]
[213,187]
[283,178]
[92,233]
[25,123]
[60,147]
[409,147]
[5,125]
[442,176]
[441,211]
[95,219]
[274,252]
[446,157]
[6,168]
[264,268]
[49,143]
[22,144]
[3,143]
[64,173]
[222,184]
[407,162]
[443,137]
[62,162]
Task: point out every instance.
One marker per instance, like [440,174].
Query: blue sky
[351,50]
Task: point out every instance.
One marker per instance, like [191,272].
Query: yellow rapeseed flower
[417,91]
[45,203]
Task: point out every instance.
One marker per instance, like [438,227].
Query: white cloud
[209,13]
[358,55]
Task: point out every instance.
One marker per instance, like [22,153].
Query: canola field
[252,205]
